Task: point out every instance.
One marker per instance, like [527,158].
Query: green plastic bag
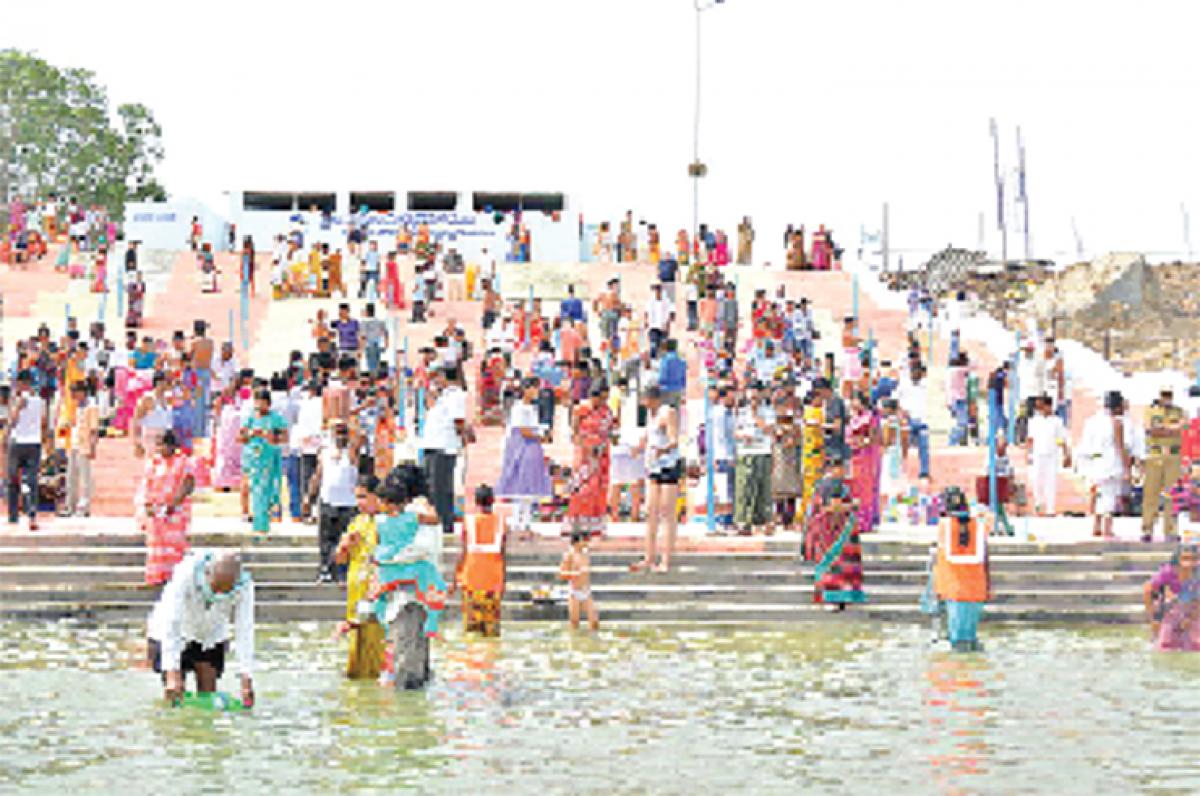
[215,701]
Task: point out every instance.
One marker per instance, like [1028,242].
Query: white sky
[813,111]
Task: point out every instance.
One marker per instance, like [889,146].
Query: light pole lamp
[697,169]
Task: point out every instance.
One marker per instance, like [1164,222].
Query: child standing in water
[576,569]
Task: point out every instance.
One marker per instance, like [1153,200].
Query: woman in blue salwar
[262,460]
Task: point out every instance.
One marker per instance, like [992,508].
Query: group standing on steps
[805,432]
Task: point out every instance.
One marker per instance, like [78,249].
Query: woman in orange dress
[165,504]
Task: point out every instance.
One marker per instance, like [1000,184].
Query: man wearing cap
[1164,440]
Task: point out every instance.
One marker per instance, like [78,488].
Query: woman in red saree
[166,509]
[593,425]
[393,290]
[100,272]
[831,541]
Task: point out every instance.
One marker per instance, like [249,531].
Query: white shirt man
[659,312]
[913,398]
[190,622]
[305,433]
[1031,374]
[442,442]
[28,422]
[440,432]
[337,475]
[225,369]
[501,337]
[1107,458]
[487,265]
[1046,443]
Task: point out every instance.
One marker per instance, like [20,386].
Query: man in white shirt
[27,429]
[1046,443]
[442,439]
[305,436]
[914,402]
[487,266]
[1109,447]
[225,371]
[660,312]
[189,626]
[1031,383]
[334,482]
[724,444]
[802,328]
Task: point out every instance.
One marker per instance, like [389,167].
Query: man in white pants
[1047,437]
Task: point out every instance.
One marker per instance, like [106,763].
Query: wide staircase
[97,576]
[95,572]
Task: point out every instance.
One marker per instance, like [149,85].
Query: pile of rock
[1142,317]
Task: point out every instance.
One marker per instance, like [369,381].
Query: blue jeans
[291,471]
[962,418]
[201,427]
[919,432]
[368,285]
[1063,410]
[374,352]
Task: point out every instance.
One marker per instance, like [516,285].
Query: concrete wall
[167,225]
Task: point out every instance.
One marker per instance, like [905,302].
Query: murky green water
[828,708]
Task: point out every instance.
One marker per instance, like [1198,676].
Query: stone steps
[614,611]
[882,591]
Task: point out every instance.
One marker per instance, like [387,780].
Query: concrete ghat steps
[612,611]
[95,573]
[129,571]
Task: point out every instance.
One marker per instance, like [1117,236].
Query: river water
[820,708]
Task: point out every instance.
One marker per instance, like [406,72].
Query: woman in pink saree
[822,255]
[227,459]
[1172,600]
[721,250]
[862,434]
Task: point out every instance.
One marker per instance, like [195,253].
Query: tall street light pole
[696,169]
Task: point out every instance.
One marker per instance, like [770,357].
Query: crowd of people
[697,400]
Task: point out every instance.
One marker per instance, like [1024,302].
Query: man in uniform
[1164,440]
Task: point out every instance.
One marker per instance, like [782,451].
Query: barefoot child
[576,568]
[357,548]
[480,572]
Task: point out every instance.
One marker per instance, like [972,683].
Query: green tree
[58,136]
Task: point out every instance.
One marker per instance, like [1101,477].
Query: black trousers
[656,340]
[308,467]
[439,471]
[24,459]
[332,522]
[545,408]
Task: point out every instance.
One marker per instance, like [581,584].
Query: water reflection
[839,708]
[957,709]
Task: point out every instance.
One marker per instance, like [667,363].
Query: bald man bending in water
[189,629]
